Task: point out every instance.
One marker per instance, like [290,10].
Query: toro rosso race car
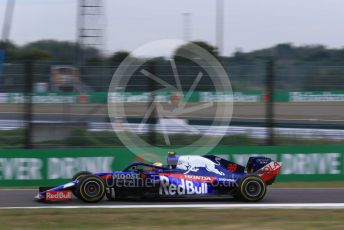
[183,176]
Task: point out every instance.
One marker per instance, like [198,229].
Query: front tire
[78,176]
[252,188]
[91,189]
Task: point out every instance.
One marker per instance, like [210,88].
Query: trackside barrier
[255,96]
[30,167]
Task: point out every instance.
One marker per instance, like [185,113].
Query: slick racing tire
[78,176]
[251,188]
[90,189]
[81,174]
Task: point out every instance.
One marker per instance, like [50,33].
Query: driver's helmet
[158,164]
[172,159]
[171,154]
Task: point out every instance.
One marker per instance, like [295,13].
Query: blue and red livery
[183,176]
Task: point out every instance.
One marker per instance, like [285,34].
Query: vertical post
[220,26]
[80,25]
[6,29]
[152,119]
[269,104]
[28,104]
[186,26]
[2,61]
[91,26]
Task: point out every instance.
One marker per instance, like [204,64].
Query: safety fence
[127,97]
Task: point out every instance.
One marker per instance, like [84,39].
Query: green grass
[12,138]
[171,219]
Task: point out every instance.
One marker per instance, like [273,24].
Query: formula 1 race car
[183,176]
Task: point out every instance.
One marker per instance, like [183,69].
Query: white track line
[207,206]
[313,188]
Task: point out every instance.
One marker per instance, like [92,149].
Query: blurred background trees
[311,67]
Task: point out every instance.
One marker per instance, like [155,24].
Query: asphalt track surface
[15,120]
[328,115]
[24,198]
[282,111]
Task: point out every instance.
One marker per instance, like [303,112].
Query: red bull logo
[59,195]
[181,187]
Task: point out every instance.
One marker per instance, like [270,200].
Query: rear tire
[251,188]
[91,189]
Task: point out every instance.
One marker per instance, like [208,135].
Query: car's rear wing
[264,167]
